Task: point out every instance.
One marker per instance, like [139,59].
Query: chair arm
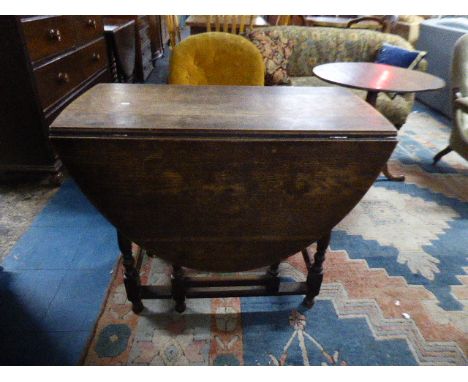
[422,65]
[378,20]
[462,104]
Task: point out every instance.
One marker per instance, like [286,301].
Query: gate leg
[131,276]
[273,279]
[178,288]
[315,270]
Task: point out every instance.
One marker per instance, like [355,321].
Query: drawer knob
[63,77]
[96,56]
[92,23]
[54,34]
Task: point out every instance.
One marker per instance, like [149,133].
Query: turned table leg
[371,99]
[315,270]
[273,279]
[131,276]
[178,288]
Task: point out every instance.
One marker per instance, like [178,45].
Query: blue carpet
[54,281]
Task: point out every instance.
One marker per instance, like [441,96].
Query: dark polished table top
[228,110]
[377,77]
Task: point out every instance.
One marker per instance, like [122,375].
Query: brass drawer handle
[63,77]
[92,23]
[54,34]
[96,56]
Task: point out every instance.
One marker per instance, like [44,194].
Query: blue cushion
[396,56]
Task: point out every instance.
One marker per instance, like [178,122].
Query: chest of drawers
[46,62]
[145,46]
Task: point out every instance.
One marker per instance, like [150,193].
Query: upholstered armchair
[291,52]
[407,27]
[459,136]
[216,58]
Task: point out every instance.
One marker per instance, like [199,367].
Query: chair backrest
[460,66]
[237,24]
[283,20]
[172,24]
[216,58]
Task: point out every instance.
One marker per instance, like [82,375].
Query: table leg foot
[315,271]
[395,178]
[180,306]
[137,307]
[308,303]
[178,288]
[55,179]
[131,276]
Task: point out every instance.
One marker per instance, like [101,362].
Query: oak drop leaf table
[222,178]
[377,78]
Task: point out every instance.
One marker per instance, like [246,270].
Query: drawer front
[57,78]
[55,111]
[48,36]
[93,57]
[88,28]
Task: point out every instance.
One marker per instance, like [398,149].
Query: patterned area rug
[395,290]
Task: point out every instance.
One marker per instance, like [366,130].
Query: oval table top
[377,77]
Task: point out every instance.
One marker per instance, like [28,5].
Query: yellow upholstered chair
[216,58]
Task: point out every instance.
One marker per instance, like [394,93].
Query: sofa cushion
[276,49]
[307,81]
[396,56]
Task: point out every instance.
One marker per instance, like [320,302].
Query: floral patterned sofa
[291,52]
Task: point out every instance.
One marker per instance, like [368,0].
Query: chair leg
[440,154]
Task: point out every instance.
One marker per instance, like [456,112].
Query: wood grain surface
[223,202]
[227,110]
[377,77]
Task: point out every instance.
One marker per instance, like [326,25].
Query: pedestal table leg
[371,99]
